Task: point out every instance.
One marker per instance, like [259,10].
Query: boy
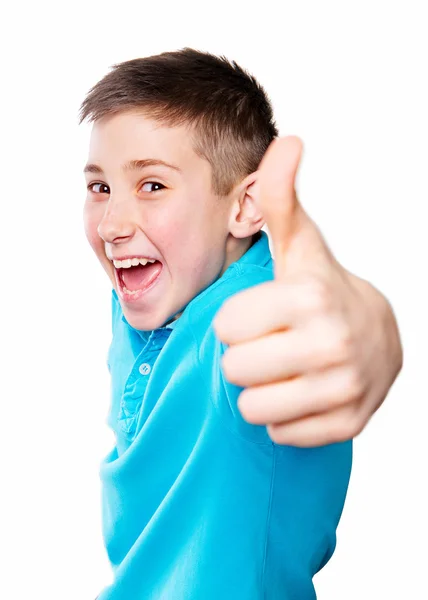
[198,504]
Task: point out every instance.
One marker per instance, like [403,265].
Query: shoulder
[202,313]
[210,349]
[236,279]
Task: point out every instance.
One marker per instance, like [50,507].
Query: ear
[245,218]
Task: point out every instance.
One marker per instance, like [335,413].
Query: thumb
[277,195]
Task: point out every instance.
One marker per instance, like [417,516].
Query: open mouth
[134,281]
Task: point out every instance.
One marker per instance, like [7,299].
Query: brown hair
[228,110]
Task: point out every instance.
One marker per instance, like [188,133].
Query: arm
[318,348]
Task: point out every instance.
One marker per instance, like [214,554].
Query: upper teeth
[132,262]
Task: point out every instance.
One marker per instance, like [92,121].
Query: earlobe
[246,218]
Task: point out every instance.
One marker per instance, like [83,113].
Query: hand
[317,349]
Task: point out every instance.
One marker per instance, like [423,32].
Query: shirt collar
[258,254]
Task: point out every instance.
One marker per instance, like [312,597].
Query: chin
[143,322]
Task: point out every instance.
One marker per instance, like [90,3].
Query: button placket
[132,399]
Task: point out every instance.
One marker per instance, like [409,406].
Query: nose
[118,221]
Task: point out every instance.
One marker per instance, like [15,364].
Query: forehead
[130,135]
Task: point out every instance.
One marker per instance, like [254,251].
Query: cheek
[186,249]
[168,230]
[177,233]
[91,219]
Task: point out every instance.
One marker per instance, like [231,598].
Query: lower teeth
[132,292]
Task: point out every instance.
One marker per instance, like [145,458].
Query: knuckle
[318,298]
[335,400]
[338,344]
[344,339]
[353,384]
[347,428]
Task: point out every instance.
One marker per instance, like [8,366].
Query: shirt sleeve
[226,395]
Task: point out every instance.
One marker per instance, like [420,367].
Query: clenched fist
[317,349]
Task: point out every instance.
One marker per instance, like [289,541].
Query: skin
[320,361]
[316,350]
[193,232]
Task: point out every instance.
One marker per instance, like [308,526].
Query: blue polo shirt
[199,504]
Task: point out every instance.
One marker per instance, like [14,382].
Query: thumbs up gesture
[317,348]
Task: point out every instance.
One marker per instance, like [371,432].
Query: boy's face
[156,212]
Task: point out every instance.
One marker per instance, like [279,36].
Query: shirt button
[145,369]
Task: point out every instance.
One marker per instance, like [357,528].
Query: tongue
[136,278]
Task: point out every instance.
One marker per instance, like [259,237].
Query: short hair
[228,112]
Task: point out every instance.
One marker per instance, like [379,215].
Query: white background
[350,80]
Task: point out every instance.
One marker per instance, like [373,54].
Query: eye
[153,183]
[104,189]
[103,185]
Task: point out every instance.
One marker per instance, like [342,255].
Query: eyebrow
[133,165]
